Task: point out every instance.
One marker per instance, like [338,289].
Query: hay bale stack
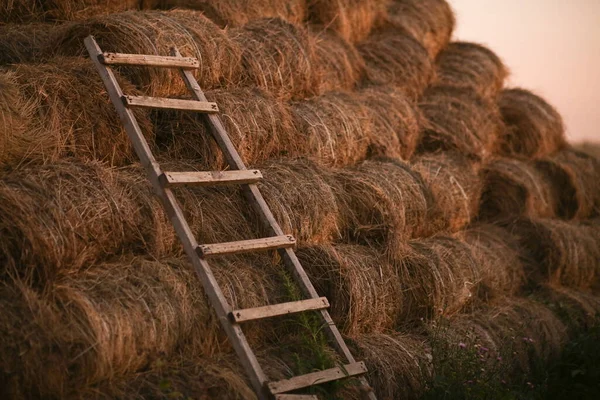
[533,127]
[155,32]
[471,66]
[61,109]
[397,363]
[236,13]
[440,275]
[24,43]
[455,184]
[383,202]
[278,57]
[116,319]
[574,175]
[578,309]
[559,252]
[300,196]
[499,258]
[20,11]
[457,120]
[351,19]
[259,125]
[431,22]
[513,187]
[340,66]
[393,57]
[363,289]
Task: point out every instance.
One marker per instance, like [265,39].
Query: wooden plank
[245,246]
[296,397]
[149,60]
[210,178]
[276,310]
[170,104]
[317,378]
[211,287]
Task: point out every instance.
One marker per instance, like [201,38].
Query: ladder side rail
[201,267]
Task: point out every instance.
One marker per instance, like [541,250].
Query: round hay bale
[574,175]
[20,43]
[395,122]
[455,119]
[533,127]
[363,289]
[471,66]
[61,109]
[278,57]
[382,201]
[559,252]
[455,184]
[236,13]
[20,11]
[259,125]
[393,57]
[431,22]
[351,19]
[339,64]
[396,362]
[300,196]
[499,257]
[155,32]
[439,275]
[512,187]
[578,309]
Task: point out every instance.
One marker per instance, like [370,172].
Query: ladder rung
[245,246]
[275,310]
[171,104]
[210,178]
[317,378]
[149,60]
[296,397]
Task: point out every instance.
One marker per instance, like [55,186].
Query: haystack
[351,19]
[513,187]
[574,175]
[364,290]
[455,184]
[259,125]
[559,252]
[24,43]
[61,109]
[278,57]
[393,57]
[458,120]
[439,275]
[57,10]
[154,32]
[533,127]
[431,22]
[471,66]
[236,13]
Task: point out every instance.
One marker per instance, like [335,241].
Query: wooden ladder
[162,183]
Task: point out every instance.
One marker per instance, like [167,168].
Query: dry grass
[512,187]
[61,109]
[471,66]
[236,13]
[533,127]
[559,252]
[278,57]
[363,289]
[351,19]
[458,120]
[154,32]
[20,11]
[395,58]
[431,22]
[574,175]
[455,184]
[21,43]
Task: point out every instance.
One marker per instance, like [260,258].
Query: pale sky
[550,46]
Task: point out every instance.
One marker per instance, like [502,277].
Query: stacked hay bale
[418,187]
